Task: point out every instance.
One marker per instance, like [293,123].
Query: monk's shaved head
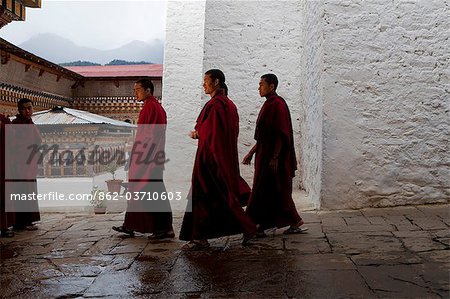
[271,79]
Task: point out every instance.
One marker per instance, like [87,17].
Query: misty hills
[58,49]
[113,62]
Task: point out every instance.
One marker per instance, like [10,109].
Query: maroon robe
[25,171]
[216,182]
[271,203]
[146,176]
[7,219]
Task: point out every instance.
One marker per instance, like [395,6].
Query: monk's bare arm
[249,156]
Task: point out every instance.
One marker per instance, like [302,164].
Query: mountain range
[58,49]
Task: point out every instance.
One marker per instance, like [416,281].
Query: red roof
[135,70]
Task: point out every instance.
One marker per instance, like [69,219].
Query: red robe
[271,203]
[147,176]
[216,182]
[7,219]
[25,172]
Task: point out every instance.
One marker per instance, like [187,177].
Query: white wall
[311,119]
[246,39]
[367,83]
[386,102]
[182,88]
[244,45]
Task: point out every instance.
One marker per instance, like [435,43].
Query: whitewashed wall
[386,103]
[182,88]
[311,119]
[244,45]
[246,39]
[367,83]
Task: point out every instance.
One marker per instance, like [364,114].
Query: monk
[26,134]
[216,185]
[6,218]
[146,212]
[271,203]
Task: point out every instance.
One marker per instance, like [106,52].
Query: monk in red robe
[6,218]
[146,211]
[271,203]
[216,183]
[25,169]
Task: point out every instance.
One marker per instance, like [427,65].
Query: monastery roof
[68,116]
[134,70]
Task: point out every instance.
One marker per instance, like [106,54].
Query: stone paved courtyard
[398,252]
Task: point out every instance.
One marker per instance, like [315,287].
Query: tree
[79,63]
[124,62]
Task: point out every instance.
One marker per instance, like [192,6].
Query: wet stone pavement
[398,252]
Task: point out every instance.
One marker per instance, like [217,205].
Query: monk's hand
[274,165]
[193,134]
[247,159]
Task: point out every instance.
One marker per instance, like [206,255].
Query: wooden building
[103,90]
[108,90]
[23,74]
[79,143]
[15,10]
[78,107]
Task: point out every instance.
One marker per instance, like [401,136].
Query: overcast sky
[97,24]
